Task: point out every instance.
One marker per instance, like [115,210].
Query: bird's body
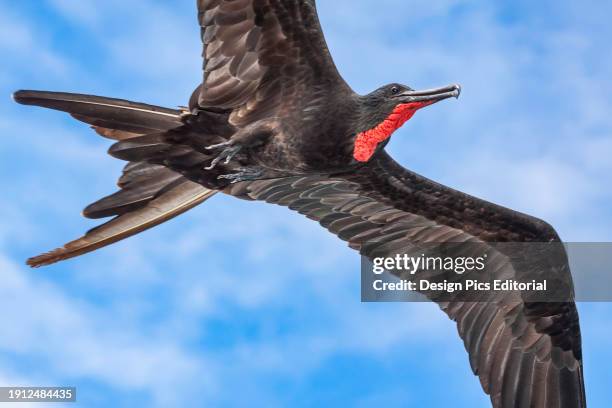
[299,142]
[274,121]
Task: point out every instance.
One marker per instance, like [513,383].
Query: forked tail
[149,193]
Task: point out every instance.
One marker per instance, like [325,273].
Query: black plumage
[274,121]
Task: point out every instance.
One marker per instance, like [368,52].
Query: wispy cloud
[25,45]
[158,44]
[81,340]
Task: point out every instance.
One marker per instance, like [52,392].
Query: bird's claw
[219,145]
[244,174]
[229,151]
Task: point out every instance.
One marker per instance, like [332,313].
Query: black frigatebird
[273,120]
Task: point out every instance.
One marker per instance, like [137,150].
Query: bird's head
[388,108]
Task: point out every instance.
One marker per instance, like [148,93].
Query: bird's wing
[526,354]
[258,53]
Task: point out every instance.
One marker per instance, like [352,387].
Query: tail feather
[115,134]
[104,112]
[115,125]
[134,194]
[150,192]
[133,172]
[173,202]
[170,148]
[151,147]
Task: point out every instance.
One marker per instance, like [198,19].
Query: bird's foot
[244,174]
[230,149]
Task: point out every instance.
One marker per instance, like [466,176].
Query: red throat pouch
[366,142]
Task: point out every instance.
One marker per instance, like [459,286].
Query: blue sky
[242,303]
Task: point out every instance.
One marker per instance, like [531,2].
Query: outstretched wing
[526,354]
[258,53]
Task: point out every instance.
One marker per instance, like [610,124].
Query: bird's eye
[394,90]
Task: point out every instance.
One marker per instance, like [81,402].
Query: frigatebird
[273,120]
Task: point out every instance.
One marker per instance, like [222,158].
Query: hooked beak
[429,96]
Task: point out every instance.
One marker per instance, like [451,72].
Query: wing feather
[522,352]
[258,53]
